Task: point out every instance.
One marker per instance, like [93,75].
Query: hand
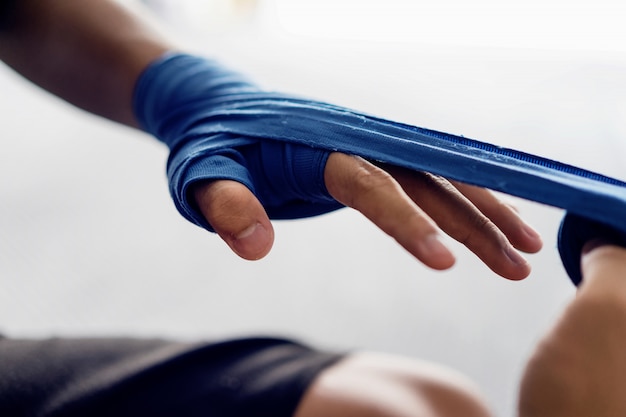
[579,369]
[409,206]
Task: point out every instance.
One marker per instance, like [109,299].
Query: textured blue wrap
[183,99]
[219,125]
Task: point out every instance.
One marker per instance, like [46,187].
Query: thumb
[237,217]
[604,265]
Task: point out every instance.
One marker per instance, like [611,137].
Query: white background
[90,243]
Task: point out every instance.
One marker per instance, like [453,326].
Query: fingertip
[532,241]
[441,264]
[593,244]
[601,252]
[517,268]
[522,235]
[254,242]
[507,262]
[237,216]
[433,252]
[520,272]
[603,267]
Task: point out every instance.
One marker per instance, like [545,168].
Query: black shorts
[156,378]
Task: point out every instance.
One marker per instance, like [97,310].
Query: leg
[373,385]
[579,370]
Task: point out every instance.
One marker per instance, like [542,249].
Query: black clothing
[255,377]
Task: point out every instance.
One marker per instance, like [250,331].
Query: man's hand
[409,206]
[105,66]
[579,369]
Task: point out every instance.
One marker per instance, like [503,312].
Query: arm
[91,53]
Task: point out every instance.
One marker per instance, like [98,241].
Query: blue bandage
[184,100]
[219,125]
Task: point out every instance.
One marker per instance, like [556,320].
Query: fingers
[470,221]
[412,207]
[237,217]
[521,235]
[372,191]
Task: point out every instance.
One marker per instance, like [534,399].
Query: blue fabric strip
[219,125]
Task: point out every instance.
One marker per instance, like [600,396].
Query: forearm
[88,52]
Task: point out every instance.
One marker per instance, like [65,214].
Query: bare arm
[89,55]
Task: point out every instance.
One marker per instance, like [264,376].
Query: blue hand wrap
[219,125]
[188,103]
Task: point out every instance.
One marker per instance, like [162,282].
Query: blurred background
[91,245]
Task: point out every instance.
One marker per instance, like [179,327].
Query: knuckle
[436,182]
[480,227]
[368,180]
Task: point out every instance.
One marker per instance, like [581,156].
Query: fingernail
[252,242]
[436,252]
[530,232]
[248,231]
[434,245]
[514,256]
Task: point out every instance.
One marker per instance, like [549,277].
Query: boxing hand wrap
[219,125]
[184,100]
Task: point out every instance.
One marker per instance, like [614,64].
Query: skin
[380,385]
[92,56]
[579,368]
[91,53]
